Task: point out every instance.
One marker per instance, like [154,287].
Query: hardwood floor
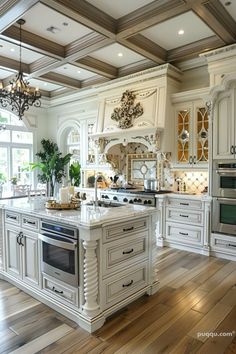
[193,312]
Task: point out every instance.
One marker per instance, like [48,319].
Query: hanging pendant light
[19,96]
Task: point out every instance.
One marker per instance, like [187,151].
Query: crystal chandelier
[19,96]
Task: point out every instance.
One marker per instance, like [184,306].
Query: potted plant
[74,174]
[52,165]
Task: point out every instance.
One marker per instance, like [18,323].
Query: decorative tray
[53,204]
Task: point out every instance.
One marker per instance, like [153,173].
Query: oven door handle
[226,200]
[58,243]
[226,172]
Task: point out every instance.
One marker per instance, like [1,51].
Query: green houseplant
[74,174]
[52,164]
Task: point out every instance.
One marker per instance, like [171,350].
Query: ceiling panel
[40,18]
[117,9]
[230,6]
[74,72]
[43,85]
[5,73]
[110,55]
[12,51]
[166,34]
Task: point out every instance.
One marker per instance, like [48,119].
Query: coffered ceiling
[73,44]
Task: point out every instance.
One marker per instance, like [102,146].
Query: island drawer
[123,229]
[185,203]
[119,255]
[120,287]
[12,217]
[186,234]
[60,291]
[186,216]
[30,222]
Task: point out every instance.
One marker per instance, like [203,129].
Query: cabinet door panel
[30,258]
[13,258]
[223,138]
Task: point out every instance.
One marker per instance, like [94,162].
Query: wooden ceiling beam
[145,47]
[86,45]
[214,14]
[97,66]
[192,50]
[149,15]
[61,80]
[12,64]
[43,65]
[86,14]
[34,42]
[12,10]
[94,80]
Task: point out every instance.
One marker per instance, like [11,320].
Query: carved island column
[90,272]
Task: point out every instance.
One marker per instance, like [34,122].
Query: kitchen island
[115,251]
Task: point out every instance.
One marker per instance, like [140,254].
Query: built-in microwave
[224,179]
[224,216]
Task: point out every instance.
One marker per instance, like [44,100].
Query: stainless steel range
[131,196]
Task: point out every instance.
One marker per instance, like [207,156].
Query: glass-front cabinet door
[191,134]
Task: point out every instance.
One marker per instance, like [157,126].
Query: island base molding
[74,314]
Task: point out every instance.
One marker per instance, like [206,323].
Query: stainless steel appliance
[224,216]
[59,249]
[131,196]
[150,184]
[224,179]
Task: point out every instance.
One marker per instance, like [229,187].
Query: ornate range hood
[136,108]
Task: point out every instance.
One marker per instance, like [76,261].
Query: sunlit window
[73,144]
[16,149]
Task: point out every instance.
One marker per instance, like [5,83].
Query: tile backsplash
[195,182]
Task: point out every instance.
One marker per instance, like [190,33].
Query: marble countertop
[88,216]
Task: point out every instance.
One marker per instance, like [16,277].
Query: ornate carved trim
[128,111]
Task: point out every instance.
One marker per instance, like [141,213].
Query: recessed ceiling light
[78,71]
[181,32]
[45,84]
[12,49]
[65,23]
[53,29]
[227,3]
[120,54]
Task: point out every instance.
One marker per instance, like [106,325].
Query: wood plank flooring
[193,312]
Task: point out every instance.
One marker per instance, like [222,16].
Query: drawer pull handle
[29,222]
[183,233]
[57,291]
[183,216]
[184,203]
[128,252]
[128,229]
[11,217]
[230,245]
[128,284]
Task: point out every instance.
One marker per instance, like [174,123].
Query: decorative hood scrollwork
[128,111]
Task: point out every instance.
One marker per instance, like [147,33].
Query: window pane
[22,137]
[73,137]
[20,160]
[4,117]
[3,162]
[5,135]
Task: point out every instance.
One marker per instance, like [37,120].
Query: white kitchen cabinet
[224,125]
[184,222]
[22,249]
[191,134]
[126,249]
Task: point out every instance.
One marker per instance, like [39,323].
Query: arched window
[16,149]
[73,144]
